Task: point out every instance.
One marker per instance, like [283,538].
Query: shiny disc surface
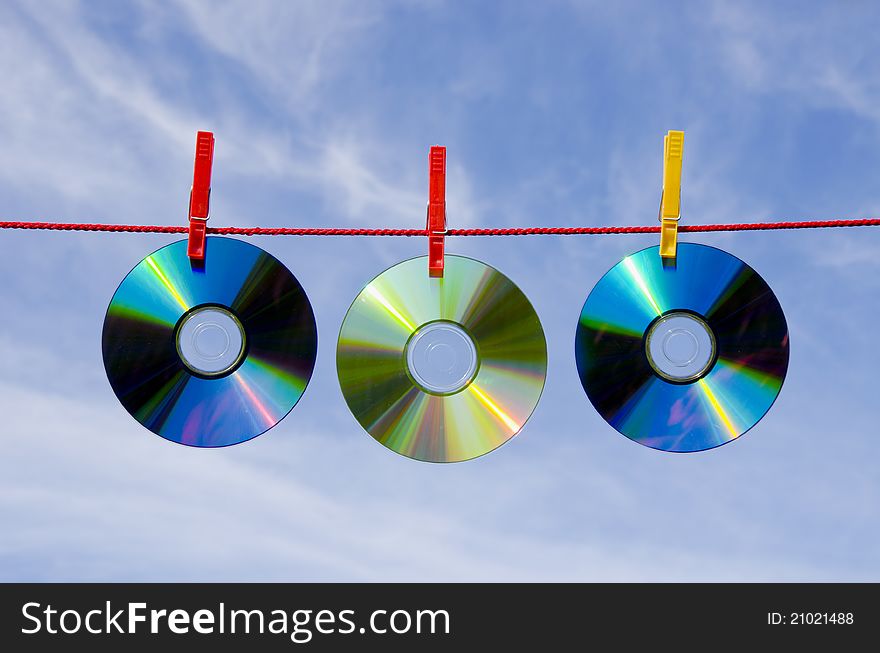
[214,356]
[686,358]
[442,370]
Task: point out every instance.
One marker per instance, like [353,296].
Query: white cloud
[100,95]
[98,498]
[772,50]
[292,48]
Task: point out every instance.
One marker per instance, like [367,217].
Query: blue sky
[553,114]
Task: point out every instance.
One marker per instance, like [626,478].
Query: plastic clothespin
[670,200]
[436,209]
[200,196]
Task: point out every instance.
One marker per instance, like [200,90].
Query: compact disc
[214,355]
[682,358]
[441,369]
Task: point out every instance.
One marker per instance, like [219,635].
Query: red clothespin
[200,196]
[436,209]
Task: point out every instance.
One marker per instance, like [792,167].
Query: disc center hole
[680,347]
[210,341]
[441,357]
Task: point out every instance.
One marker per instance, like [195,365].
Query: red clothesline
[508,231]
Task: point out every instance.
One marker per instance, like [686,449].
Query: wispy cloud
[81,68]
[771,50]
[176,513]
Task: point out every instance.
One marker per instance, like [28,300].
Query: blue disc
[682,358]
[214,355]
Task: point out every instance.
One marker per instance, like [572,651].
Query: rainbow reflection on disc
[441,369]
[682,358]
[209,356]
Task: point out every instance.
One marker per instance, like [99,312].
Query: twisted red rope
[508,231]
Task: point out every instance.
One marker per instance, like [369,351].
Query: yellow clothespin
[670,200]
